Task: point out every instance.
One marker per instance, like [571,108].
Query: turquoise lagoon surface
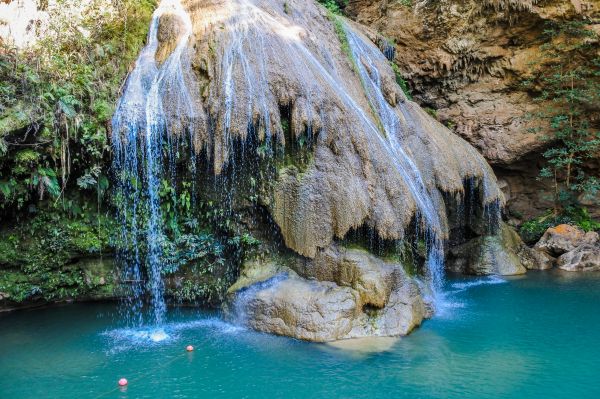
[536,336]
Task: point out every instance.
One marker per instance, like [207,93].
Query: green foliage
[406,3]
[206,261]
[401,81]
[36,259]
[431,112]
[568,83]
[334,6]
[56,100]
[340,31]
[188,249]
[532,230]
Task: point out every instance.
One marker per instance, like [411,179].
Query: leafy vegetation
[335,6]
[532,230]
[39,259]
[568,82]
[401,81]
[202,241]
[56,99]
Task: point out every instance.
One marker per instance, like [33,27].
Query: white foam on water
[490,280]
[447,302]
[122,339]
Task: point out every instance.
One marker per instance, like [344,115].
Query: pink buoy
[122,382]
[189,348]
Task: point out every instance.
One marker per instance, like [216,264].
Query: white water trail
[364,53]
[139,130]
[248,20]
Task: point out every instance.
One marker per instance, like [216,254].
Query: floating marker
[122,382]
[189,348]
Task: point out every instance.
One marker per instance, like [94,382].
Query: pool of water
[531,337]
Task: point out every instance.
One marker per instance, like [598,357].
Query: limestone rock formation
[533,259]
[564,238]
[258,71]
[467,60]
[503,254]
[342,293]
[585,257]
[303,108]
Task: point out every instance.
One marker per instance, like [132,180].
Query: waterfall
[367,55]
[371,160]
[309,68]
[139,130]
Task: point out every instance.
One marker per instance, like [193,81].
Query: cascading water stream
[139,131]
[247,14]
[244,97]
[371,79]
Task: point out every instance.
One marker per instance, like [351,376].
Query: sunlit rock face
[377,158]
[468,59]
[287,80]
[343,293]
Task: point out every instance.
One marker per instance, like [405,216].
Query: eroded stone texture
[468,60]
[585,257]
[503,254]
[257,70]
[564,238]
[342,293]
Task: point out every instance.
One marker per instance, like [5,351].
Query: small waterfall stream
[140,124]
[364,53]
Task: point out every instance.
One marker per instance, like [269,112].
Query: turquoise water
[531,337]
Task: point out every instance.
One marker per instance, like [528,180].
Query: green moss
[401,81]
[334,6]
[340,31]
[42,258]
[390,251]
[431,112]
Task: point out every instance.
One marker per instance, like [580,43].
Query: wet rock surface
[503,254]
[467,60]
[255,71]
[346,293]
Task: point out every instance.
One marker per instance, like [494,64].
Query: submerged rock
[535,260]
[345,293]
[585,258]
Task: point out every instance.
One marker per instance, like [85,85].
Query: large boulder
[503,253]
[304,309]
[584,258]
[343,293]
[535,260]
[564,238]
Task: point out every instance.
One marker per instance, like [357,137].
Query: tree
[568,77]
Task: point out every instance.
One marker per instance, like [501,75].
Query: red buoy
[122,382]
[189,348]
